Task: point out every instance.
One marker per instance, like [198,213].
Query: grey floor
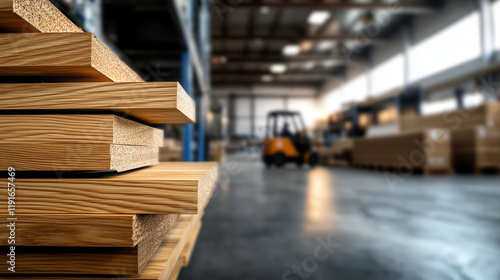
[337,223]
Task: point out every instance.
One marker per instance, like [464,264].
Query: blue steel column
[203,44]
[187,84]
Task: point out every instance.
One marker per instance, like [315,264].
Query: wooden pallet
[428,151]
[164,102]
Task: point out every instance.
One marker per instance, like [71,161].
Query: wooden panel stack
[428,151]
[88,118]
[338,154]
[474,133]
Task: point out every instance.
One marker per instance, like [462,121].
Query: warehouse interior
[355,139]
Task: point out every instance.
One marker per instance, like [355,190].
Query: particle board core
[21,16]
[77,129]
[77,57]
[168,188]
[70,157]
[155,102]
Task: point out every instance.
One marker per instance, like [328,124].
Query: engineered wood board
[93,260]
[21,16]
[81,157]
[161,266]
[87,230]
[76,57]
[77,129]
[189,248]
[159,191]
[156,102]
[176,270]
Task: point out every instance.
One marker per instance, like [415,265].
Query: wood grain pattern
[428,150]
[159,103]
[21,16]
[67,57]
[77,129]
[167,188]
[189,248]
[70,157]
[87,230]
[161,266]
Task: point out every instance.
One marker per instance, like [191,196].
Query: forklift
[287,141]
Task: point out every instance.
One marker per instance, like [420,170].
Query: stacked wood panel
[428,151]
[474,133]
[89,117]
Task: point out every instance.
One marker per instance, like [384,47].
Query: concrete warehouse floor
[328,223]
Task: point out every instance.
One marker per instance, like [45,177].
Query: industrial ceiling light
[264,10]
[291,50]
[267,78]
[306,45]
[278,68]
[318,17]
[325,45]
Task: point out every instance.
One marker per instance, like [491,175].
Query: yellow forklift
[287,141]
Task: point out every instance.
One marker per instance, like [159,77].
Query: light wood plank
[72,157]
[77,129]
[87,230]
[162,265]
[159,103]
[21,16]
[67,57]
[166,190]
[189,248]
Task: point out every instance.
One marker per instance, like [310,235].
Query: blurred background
[356,139]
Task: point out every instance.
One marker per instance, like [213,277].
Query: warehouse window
[450,47]
[355,90]
[388,75]
[440,106]
[473,99]
[307,107]
[332,101]
[496,18]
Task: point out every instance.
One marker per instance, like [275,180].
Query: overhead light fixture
[264,10]
[325,45]
[267,78]
[318,17]
[278,68]
[291,50]
[309,65]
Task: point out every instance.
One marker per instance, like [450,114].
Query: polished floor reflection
[327,223]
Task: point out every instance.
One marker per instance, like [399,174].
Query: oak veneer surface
[113,261]
[168,188]
[156,102]
[77,129]
[21,16]
[82,157]
[77,57]
[87,230]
